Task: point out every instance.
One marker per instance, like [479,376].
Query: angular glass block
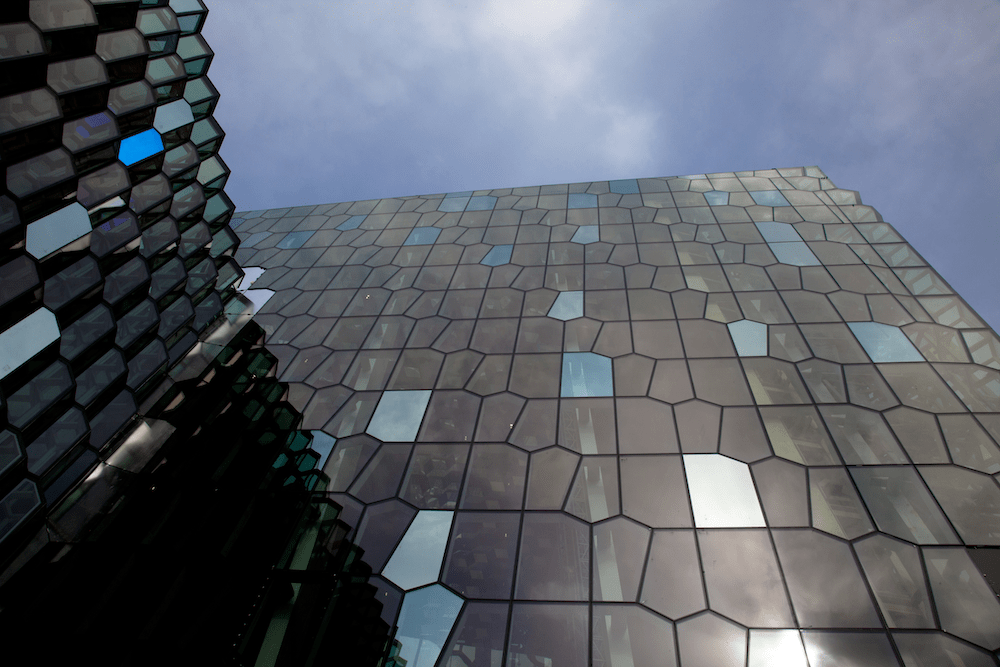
[498,255]
[27,338]
[398,415]
[422,236]
[722,492]
[56,230]
[171,116]
[567,306]
[587,234]
[750,338]
[586,374]
[425,621]
[140,146]
[794,253]
[417,559]
[884,343]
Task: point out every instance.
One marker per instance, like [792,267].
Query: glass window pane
[901,505]
[722,492]
[417,559]
[554,560]
[425,621]
[398,415]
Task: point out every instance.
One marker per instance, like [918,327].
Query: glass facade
[716,419]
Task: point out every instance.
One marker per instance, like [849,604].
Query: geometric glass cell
[581,200]
[777,232]
[750,338]
[27,338]
[628,186]
[901,505]
[774,648]
[425,621]
[140,146]
[453,204]
[482,203]
[498,255]
[769,198]
[398,415]
[587,234]
[172,115]
[795,253]
[722,492]
[422,236]
[417,559]
[586,374]
[567,306]
[56,230]
[717,198]
[293,240]
[352,222]
[17,505]
[884,343]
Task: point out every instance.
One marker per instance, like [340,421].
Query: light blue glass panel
[484,203]
[173,115]
[628,186]
[498,254]
[417,559]
[777,231]
[452,195]
[352,222]
[293,240]
[587,234]
[422,236]
[398,415]
[716,198]
[769,198]
[586,374]
[425,621]
[453,204]
[43,237]
[582,200]
[567,306]
[884,343]
[27,338]
[322,444]
[139,147]
[254,239]
[750,338]
[796,254]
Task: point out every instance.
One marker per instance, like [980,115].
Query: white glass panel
[776,648]
[884,343]
[722,492]
[45,236]
[398,415]
[417,559]
[26,339]
[750,338]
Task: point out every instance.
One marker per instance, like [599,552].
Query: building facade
[720,419]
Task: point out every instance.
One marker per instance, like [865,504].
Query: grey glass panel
[794,253]
[587,234]
[554,560]
[750,338]
[548,634]
[901,505]
[866,387]
[672,585]
[654,491]
[381,529]
[43,237]
[496,478]
[645,427]
[398,415]
[969,444]
[936,649]
[824,380]
[549,479]
[435,476]
[861,436]
[27,338]
[918,386]
[777,232]
[971,501]
[708,640]
[582,200]
[479,637]
[352,222]
[783,492]
[425,621]
[918,433]
[722,492]
[293,240]
[894,572]
[770,648]
[417,559]
[836,508]
[347,459]
[498,255]
[422,236]
[848,649]
[629,186]
[594,496]
[884,343]
[774,382]
[380,479]
[966,605]
[628,636]
[769,198]
[453,204]
[481,556]
[17,506]
[481,203]
[586,374]
[826,587]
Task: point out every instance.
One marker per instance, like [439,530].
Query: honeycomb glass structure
[716,419]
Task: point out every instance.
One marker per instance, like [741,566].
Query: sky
[327,101]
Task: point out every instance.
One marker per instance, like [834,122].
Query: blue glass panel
[352,222]
[322,444]
[567,306]
[453,204]
[484,203]
[716,198]
[629,186]
[236,222]
[750,338]
[398,415]
[56,230]
[884,343]
[587,234]
[27,338]
[581,200]
[422,236]
[498,254]
[769,198]
[140,146]
[777,231]
[294,240]
[586,374]
[254,239]
[796,254]
[425,621]
[417,559]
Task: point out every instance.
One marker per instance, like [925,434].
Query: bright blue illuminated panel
[139,147]
[586,374]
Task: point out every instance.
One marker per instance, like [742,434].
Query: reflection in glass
[884,343]
[629,636]
[553,635]
[893,569]
[398,415]
[481,555]
[848,649]
[554,560]
[587,234]
[435,476]
[769,198]
[595,493]
[417,559]
[425,621]
[722,492]
[498,255]
[750,338]
[43,237]
[796,253]
[708,640]
[586,374]
[567,306]
[861,436]
[965,604]
[971,501]
[936,649]
[901,505]
[479,638]
[776,648]
[836,508]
